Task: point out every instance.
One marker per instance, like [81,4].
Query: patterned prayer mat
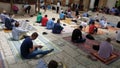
[112,58]
[1,61]
[87,47]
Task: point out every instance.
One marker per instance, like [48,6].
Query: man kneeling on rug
[28,50]
[105,49]
[77,35]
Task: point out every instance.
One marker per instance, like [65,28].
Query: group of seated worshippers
[42,20]
[50,24]
[105,48]
[7,20]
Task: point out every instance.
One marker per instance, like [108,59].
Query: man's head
[34,35]
[80,27]
[17,24]
[93,23]
[108,39]
[45,15]
[52,64]
[53,19]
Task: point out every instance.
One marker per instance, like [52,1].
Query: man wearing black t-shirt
[77,35]
[28,50]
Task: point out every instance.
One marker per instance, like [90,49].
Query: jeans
[37,52]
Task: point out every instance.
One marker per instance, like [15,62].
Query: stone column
[92,4]
[86,4]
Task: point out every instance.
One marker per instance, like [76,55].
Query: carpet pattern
[1,61]
[87,47]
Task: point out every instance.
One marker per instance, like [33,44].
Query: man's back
[50,24]
[25,46]
[44,21]
[76,34]
[105,50]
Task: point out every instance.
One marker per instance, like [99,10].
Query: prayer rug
[67,21]
[1,61]
[87,47]
[112,58]
[6,30]
[112,28]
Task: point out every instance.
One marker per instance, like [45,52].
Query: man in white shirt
[17,32]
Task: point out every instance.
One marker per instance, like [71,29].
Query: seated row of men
[50,24]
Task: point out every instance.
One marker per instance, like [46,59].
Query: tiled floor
[72,56]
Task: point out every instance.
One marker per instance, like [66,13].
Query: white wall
[6,6]
[111,3]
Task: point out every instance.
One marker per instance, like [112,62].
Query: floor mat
[67,21]
[87,47]
[6,30]
[112,58]
[1,61]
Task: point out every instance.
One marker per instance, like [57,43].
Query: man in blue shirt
[57,28]
[62,16]
[50,23]
[28,50]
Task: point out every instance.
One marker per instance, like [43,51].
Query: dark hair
[45,15]
[35,34]
[52,64]
[16,24]
[93,22]
[108,39]
[53,18]
[80,27]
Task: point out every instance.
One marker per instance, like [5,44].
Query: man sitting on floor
[9,22]
[77,35]
[57,27]
[62,16]
[50,23]
[44,20]
[39,18]
[92,28]
[105,49]
[28,50]
[17,32]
